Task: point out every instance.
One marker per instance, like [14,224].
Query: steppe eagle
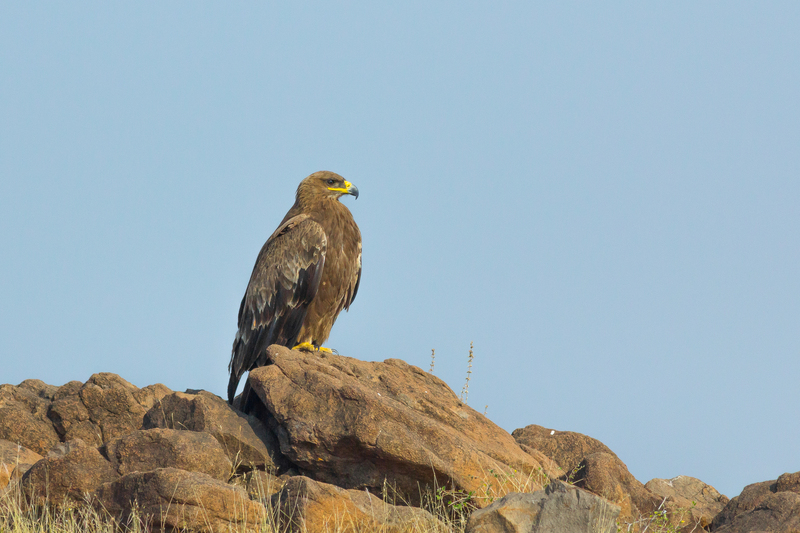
[305,274]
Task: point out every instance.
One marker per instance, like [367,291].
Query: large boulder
[556,509]
[67,478]
[766,506]
[605,475]
[170,498]
[102,409]
[246,440]
[145,450]
[566,448]
[359,424]
[23,416]
[697,502]
[15,460]
[307,505]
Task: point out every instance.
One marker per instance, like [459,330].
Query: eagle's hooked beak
[348,188]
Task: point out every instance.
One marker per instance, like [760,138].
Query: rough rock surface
[243,437]
[355,423]
[145,450]
[102,409]
[605,475]
[558,508]
[68,477]
[23,416]
[766,506]
[307,505]
[566,448]
[15,460]
[697,501]
[174,498]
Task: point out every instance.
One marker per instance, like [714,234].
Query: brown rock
[788,482]
[246,441]
[172,498]
[145,450]
[307,505]
[697,502]
[566,448]
[23,416]
[765,506]
[608,477]
[356,424]
[15,460]
[69,477]
[103,408]
[558,508]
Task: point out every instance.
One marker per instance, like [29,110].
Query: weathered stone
[169,498]
[25,426]
[103,408]
[605,475]
[356,424]
[788,482]
[566,448]
[63,448]
[70,477]
[246,441]
[145,450]
[15,460]
[696,502]
[558,508]
[39,388]
[307,505]
[261,485]
[765,506]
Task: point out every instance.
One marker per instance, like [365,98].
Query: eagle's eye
[330,181]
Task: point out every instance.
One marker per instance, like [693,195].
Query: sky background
[604,199]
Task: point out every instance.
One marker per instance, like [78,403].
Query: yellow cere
[347,186]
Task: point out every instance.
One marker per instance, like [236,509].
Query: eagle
[305,274]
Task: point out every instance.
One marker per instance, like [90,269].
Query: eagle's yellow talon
[307,346]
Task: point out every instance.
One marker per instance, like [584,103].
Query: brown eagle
[305,274]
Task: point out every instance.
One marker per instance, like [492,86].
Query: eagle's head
[324,184]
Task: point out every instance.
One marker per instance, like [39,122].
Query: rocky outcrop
[307,505]
[170,498]
[15,460]
[146,450]
[102,409]
[605,475]
[23,416]
[558,508]
[697,502]
[566,448]
[246,440]
[68,478]
[766,506]
[358,424]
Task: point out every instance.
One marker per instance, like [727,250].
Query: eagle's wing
[285,279]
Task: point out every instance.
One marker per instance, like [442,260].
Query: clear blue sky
[604,199]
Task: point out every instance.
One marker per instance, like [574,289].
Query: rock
[169,498]
[70,477]
[102,409]
[788,482]
[697,502]
[566,448]
[556,509]
[765,506]
[308,505]
[608,477]
[247,442]
[145,450]
[23,416]
[356,424]
[261,485]
[15,460]
[63,448]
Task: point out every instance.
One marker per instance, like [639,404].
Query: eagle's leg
[307,346]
